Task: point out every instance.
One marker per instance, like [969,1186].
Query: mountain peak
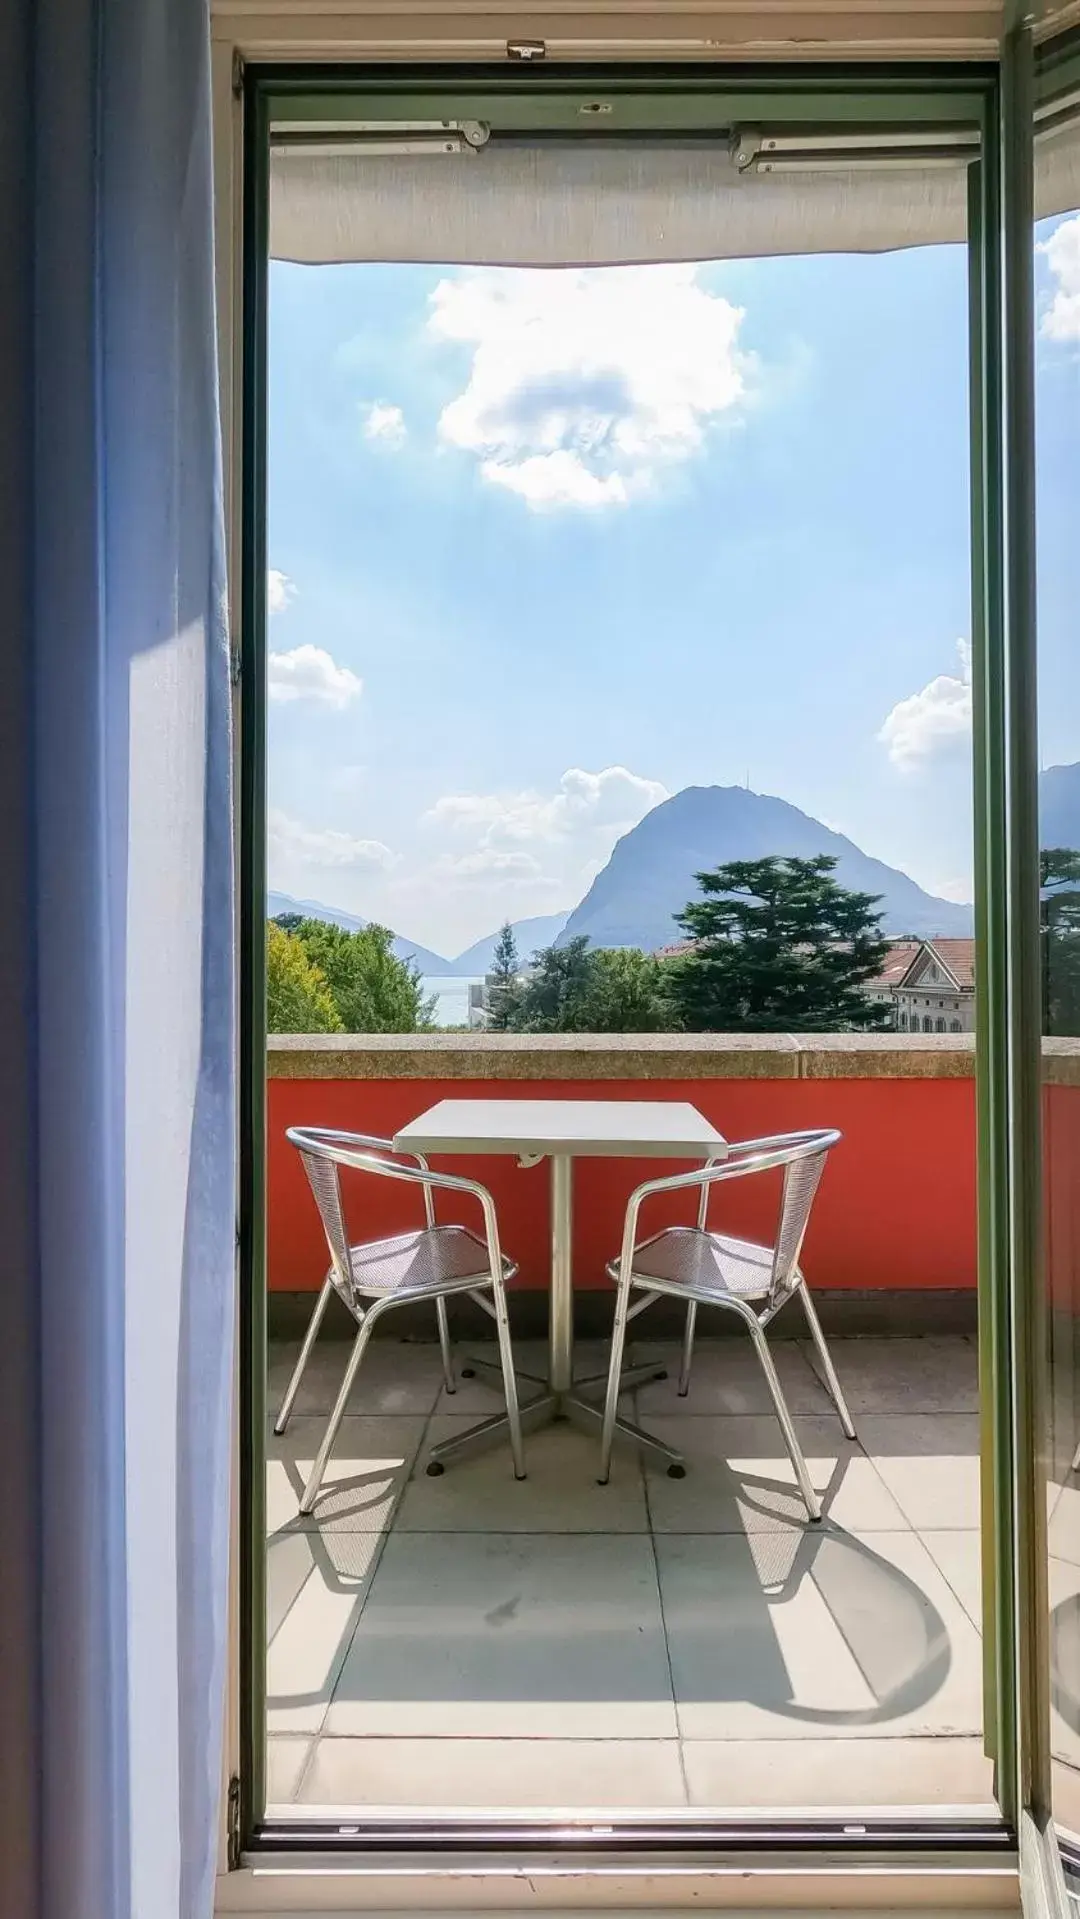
[651,874]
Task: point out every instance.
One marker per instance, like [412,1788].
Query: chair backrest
[323,1153]
[801,1157]
[802,1177]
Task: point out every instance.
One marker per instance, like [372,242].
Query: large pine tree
[778,946]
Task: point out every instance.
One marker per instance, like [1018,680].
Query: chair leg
[315,1477]
[795,1452]
[825,1357]
[688,1349]
[444,1342]
[506,1355]
[611,1399]
[305,1354]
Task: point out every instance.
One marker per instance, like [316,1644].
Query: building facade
[928,986]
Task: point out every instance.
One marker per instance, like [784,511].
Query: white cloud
[585,385]
[610,802]
[308,673]
[1061,321]
[490,864]
[933,721]
[293,846]
[384,422]
[280,591]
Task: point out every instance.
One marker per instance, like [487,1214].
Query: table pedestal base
[550,1406]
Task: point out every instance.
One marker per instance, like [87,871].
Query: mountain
[426,961]
[1059,806]
[529,935]
[650,875]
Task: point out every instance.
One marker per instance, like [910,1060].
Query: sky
[547,546]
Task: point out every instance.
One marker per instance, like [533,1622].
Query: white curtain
[121,958]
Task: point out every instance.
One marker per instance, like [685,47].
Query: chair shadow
[894,1633]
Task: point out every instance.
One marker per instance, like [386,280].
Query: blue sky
[547,546]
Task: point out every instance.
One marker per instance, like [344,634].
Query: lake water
[452,996]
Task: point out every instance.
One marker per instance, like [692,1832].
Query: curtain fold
[127,953]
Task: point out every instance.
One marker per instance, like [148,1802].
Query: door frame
[1003,668]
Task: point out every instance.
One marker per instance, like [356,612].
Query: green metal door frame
[653,102]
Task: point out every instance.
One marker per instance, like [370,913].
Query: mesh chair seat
[433,1258]
[714,1266]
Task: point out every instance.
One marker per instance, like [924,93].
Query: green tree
[503,984]
[556,995]
[629,993]
[298,999]
[1059,914]
[778,946]
[373,990]
[578,988]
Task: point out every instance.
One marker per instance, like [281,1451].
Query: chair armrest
[366,1154]
[743,1159]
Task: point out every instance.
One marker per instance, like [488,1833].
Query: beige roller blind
[579,204]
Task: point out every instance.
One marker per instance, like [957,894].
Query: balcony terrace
[469,1641]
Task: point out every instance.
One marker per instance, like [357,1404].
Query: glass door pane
[1057,271]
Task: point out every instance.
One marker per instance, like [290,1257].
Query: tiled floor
[470,1641]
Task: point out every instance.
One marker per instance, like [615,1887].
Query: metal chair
[714,1269]
[374,1277]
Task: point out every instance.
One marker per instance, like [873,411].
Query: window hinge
[237,73]
[233,1833]
[235,664]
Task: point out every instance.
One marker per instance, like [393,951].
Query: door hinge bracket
[232,1841]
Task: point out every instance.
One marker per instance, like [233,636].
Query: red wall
[896,1207]
[1061,1176]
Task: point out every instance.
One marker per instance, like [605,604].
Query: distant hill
[427,962]
[530,935]
[650,875]
[1059,806]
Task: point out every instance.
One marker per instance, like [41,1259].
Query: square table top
[642,1129]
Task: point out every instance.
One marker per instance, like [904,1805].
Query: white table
[562,1130]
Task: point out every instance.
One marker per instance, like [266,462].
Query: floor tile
[726,1377]
[523,1636]
[739,1478]
[837,1774]
[959,1557]
[1064,1581]
[815,1632]
[290,1558]
[286,1757]
[1064,1521]
[395,1376]
[306,1653]
[927,1375]
[930,1463]
[1065,1786]
[370,1463]
[560,1493]
[552,1775]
